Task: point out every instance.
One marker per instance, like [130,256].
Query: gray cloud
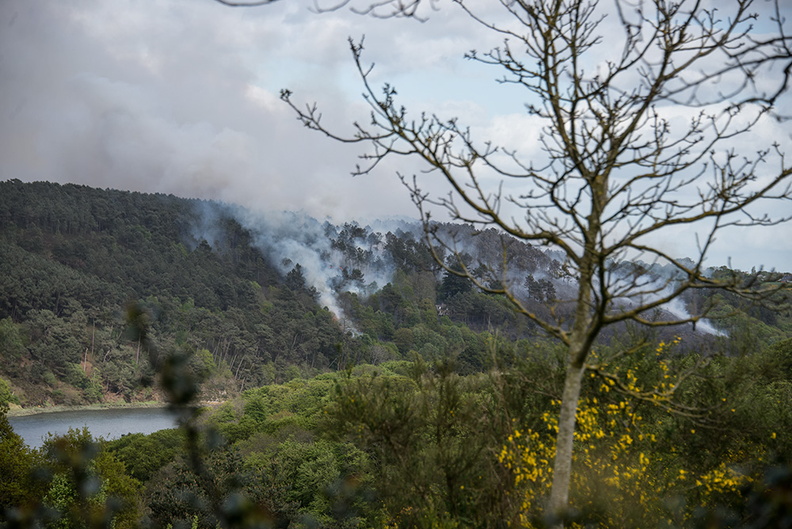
[164,98]
[181,97]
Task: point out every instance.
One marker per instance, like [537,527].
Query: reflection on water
[109,423]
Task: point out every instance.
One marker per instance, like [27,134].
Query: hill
[257,298]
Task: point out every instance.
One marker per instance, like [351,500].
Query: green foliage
[178,496]
[88,487]
[318,483]
[143,455]
[6,395]
[12,346]
[433,436]
[747,395]
[453,285]
[19,490]
[412,444]
[90,386]
[299,403]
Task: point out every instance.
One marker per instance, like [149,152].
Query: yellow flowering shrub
[621,475]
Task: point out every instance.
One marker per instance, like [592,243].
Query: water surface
[109,423]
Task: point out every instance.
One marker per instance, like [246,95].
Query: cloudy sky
[181,96]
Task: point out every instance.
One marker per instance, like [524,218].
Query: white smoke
[677,308]
[291,238]
[328,254]
[653,285]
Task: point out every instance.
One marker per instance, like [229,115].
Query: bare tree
[616,170]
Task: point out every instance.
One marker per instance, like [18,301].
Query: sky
[181,97]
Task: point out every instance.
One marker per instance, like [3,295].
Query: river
[109,423]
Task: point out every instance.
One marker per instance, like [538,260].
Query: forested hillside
[74,257]
[259,299]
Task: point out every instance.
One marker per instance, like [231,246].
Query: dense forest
[362,385]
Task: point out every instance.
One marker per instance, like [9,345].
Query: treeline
[415,444]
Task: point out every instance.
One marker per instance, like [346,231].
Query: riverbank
[17,411]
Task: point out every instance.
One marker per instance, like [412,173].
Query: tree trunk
[583,332]
[562,469]
[586,327]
